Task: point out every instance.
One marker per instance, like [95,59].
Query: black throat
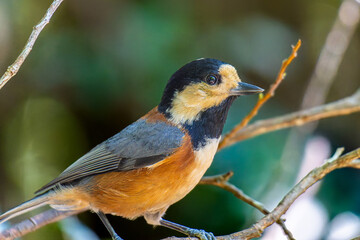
[210,124]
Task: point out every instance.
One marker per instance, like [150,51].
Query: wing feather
[140,145]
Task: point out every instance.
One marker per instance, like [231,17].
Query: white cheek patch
[188,104]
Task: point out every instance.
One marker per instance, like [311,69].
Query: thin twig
[281,75]
[34,223]
[310,179]
[222,182]
[338,108]
[14,68]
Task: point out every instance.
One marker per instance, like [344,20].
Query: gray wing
[139,145]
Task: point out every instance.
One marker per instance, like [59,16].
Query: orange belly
[132,194]
[135,193]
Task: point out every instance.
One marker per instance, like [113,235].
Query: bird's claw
[201,234]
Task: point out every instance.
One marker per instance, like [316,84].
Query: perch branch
[311,178]
[280,77]
[34,223]
[14,68]
[314,176]
[222,182]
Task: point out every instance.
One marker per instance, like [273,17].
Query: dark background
[100,65]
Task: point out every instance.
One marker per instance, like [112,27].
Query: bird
[155,161]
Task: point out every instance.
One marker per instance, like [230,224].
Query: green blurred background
[100,65]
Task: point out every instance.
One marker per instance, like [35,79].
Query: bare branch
[314,176]
[341,107]
[34,223]
[14,68]
[222,182]
[281,75]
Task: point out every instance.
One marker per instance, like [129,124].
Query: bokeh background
[100,65]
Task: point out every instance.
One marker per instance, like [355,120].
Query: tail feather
[25,207]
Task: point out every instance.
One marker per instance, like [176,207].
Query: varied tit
[157,160]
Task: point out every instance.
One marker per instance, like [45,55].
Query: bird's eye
[212,79]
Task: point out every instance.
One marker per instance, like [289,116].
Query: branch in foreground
[14,68]
[280,77]
[222,182]
[341,107]
[314,176]
[34,223]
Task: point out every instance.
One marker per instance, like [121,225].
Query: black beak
[245,89]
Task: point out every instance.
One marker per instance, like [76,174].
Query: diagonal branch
[314,176]
[280,77]
[14,68]
[222,182]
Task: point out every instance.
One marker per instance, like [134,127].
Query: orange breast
[133,193]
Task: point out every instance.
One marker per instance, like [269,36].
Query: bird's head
[201,85]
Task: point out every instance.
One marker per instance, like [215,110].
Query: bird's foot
[191,232]
[201,234]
